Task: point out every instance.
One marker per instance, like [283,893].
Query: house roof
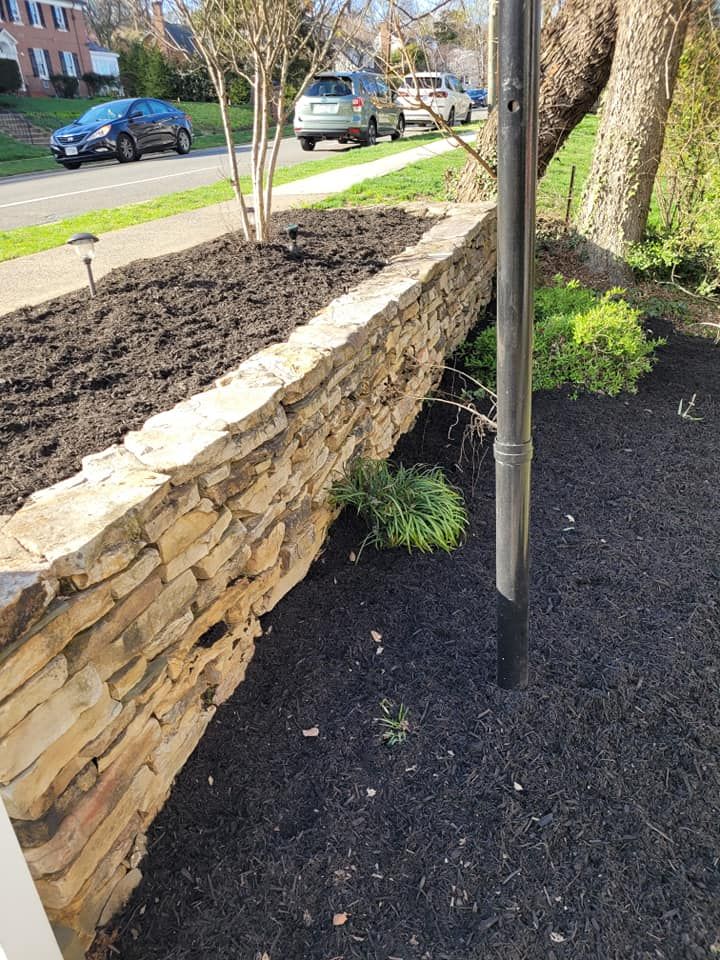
[180,36]
[97,48]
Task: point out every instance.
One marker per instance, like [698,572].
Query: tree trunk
[616,201]
[576,50]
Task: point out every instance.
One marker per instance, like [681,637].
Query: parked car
[348,107]
[478,95]
[443,92]
[124,130]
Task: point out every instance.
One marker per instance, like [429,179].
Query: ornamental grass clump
[413,507]
[592,341]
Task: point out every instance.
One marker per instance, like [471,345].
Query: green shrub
[413,507]
[593,342]
[693,261]
[10,79]
[64,85]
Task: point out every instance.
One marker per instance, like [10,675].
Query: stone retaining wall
[130,594]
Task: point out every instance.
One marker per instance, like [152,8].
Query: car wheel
[72,165]
[126,149]
[451,117]
[371,135]
[307,143]
[468,116]
[399,129]
[183,142]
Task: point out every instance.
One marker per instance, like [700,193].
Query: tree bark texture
[616,200]
[576,51]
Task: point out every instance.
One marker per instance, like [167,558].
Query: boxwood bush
[592,341]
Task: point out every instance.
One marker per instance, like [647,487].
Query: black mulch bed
[580,820]
[76,374]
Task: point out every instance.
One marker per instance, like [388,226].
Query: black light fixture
[84,245]
[292,231]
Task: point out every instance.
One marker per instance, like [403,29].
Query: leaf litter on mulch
[578,820]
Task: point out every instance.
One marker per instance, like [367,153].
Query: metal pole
[91,279]
[519,32]
[492,58]
[568,208]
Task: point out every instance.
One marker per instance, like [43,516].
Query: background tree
[576,52]
[616,201]
[277,45]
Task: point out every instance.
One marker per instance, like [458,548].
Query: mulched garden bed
[579,820]
[76,374]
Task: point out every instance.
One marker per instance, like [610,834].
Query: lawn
[26,240]
[52,112]
[426,180]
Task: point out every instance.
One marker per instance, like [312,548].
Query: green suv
[348,107]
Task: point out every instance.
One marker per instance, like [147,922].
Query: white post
[25,932]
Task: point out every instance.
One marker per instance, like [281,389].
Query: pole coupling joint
[513,454]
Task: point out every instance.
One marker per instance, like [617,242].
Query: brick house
[48,38]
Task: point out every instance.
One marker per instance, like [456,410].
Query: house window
[40,63]
[69,63]
[14,11]
[59,18]
[35,17]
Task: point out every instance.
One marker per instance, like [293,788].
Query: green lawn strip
[426,179]
[26,240]
[52,112]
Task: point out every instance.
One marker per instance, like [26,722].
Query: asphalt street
[56,194]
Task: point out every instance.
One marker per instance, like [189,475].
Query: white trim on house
[9,49]
[105,62]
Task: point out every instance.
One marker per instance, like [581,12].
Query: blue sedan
[478,95]
[122,130]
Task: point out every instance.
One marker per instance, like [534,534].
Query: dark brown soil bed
[578,820]
[76,374]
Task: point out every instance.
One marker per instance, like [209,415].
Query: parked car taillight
[439,93]
[357,102]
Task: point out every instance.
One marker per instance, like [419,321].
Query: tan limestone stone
[299,369]
[123,583]
[168,635]
[120,895]
[48,721]
[26,588]
[257,498]
[170,604]
[199,549]
[72,527]
[232,541]
[178,443]
[91,644]
[248,441]
[37,689]
[57,892]
[121,682]
[92,809]
[265,553]
[30,795]
[177,502]
[239,406]
[186,530]
[64,618]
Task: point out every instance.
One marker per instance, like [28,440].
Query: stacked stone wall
[131,594]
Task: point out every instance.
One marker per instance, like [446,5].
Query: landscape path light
[292,232]
[84,245]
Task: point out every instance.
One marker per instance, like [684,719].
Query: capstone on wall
[131,594]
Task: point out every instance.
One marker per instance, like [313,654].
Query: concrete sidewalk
[30,280]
